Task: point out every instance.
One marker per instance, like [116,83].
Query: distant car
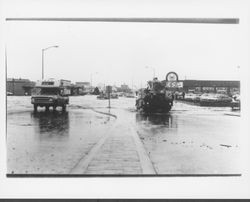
[189,97]
[9,93]
[102,96]
[113,95]
[235,102]
[120,94]
[197,97]
[193,97]
[236,97]
[105,96]
[179,95]
[215,99]
[130,95]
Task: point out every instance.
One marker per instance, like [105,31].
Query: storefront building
[19,86]
[211,86]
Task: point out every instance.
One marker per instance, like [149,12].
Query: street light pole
[43,50]
[42,64]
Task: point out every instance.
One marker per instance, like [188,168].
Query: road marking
[146,163]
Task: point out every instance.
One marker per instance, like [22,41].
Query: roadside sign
[172,76]
[109,89]
[174,84]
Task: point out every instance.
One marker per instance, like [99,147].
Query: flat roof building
[212,86]
[19,86]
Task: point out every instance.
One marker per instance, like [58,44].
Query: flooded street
[90,138]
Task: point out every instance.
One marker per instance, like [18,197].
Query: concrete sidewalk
[118,153]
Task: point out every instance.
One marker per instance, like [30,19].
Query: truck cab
[51,93]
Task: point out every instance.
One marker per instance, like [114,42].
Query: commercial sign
[172,76]
[172,81]
[174,84]
[208,88]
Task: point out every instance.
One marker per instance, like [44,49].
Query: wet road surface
[89,138]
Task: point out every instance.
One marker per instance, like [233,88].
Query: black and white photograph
[123,96]
[118,91]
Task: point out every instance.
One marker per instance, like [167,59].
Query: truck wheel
[63,107]
[35,108]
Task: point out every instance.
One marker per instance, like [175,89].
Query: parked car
[235,102]
[105,96]
[179,95]
[102,96]
[208,99]
[130,95]
[121,94]
[114,96]
[192,97]
[9,93]
[189,97]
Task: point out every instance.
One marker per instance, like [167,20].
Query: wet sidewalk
[117,153]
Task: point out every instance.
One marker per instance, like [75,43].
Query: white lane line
[146,163]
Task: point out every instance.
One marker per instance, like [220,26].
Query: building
[124,88]
[83,84]
[82,87]
[19,86]
[214,86]
[208,86]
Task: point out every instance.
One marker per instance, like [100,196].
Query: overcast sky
[116,53]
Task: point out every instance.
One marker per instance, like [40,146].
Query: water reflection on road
[167,120]
[52,142]
[188,140]
[51,123]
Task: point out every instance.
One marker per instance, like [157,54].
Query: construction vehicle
[154,99]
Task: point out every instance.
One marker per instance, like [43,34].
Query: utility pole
[109,90]
[109,101]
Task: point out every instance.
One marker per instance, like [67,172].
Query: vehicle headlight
[51,100]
